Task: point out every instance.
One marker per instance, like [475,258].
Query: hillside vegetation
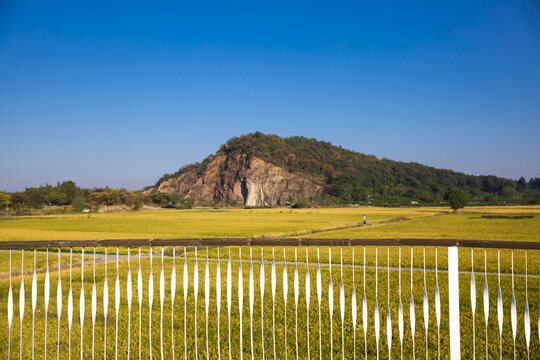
[349,176]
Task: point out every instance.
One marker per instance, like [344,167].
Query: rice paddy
[477,223]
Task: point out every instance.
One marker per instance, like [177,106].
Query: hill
[258,169]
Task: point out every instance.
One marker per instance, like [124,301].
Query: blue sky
[119,93]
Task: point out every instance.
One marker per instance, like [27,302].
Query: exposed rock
[242,179]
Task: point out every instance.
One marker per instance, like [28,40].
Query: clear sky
[119,93]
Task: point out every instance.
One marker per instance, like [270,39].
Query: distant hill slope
[258,169]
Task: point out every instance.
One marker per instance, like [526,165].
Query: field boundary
[274,241]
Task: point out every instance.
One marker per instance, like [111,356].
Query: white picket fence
[353,303]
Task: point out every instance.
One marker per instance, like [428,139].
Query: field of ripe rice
[378,287]
[196,223]
[490,223]
[511,223]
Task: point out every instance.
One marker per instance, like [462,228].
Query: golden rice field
[490,223]
[201,223]
[196,223]
[472,223]
[385,286]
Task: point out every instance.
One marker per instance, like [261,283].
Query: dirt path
[360,225]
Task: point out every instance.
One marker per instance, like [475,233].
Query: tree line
[69,196]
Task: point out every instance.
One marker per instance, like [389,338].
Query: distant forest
[67,196]
[351,177]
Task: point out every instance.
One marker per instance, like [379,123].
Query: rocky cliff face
[242,179]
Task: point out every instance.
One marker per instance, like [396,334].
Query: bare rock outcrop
[242,179]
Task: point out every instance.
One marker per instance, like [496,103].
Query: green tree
[5,200]
[70,189]
[522,183]
[457,198]
[186,203]
[36,198]
[157,198]
[111,196]
[96,198]
[359,194]
[509,192]
[56,198]
[19,200]
[79,203]
[137,204]
[299,204]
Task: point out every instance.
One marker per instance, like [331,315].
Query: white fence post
[453,302]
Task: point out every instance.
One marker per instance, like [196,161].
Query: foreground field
[466,317]
[501,223]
